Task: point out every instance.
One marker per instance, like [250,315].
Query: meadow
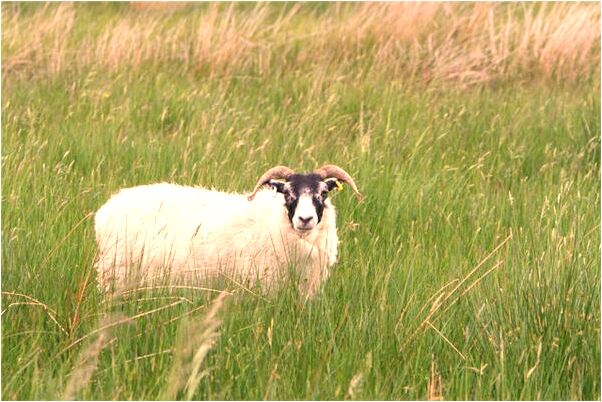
[470,271]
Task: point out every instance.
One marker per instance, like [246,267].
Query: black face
[298,191]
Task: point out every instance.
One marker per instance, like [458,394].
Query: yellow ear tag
[339,185]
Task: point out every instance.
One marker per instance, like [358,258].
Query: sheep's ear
[278,185]
[332,184]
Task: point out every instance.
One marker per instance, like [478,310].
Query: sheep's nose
[307,220]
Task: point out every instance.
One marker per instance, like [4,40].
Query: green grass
[449,175]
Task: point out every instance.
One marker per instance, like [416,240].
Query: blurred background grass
[431,42]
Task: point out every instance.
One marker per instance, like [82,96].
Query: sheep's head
[305,194]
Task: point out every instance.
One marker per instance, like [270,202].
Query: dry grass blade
[139,358]
[118,322]
[170,287]
[243,287]
[87,362]
[472,285]
[476,282]
[355,386]
[32,301]
[447,340]
[438,295]
[537,361]
[196,340]
[79,297]
[71,231]
[189,312]
[479,265]
[443,297]
[434,386]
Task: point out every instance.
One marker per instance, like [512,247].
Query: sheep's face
[305,199]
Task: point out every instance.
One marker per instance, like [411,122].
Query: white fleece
[193,232]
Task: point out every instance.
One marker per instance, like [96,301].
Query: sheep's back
[167,208]
[153,223]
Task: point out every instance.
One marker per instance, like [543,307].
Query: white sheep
[193,232]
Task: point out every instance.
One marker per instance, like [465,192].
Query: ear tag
[339,185]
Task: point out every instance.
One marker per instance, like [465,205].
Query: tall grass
[470,271]
[440,42]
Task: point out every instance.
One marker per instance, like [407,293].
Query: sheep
[194,232]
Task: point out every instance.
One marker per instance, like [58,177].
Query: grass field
[470,271]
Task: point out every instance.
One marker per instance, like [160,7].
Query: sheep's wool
[193,232]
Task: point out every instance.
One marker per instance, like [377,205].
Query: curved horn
[336,172]
[277,172]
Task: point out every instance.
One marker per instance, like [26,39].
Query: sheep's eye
[324,194]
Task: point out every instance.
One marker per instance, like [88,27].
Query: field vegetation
[470,271]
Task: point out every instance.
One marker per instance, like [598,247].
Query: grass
[433,42]
[470,271]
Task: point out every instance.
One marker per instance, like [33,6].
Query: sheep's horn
[332,171]
[277,172]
